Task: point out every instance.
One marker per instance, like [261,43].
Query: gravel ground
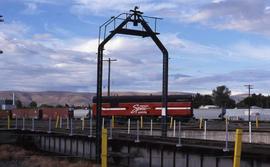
[14,156]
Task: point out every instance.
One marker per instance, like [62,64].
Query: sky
[51,45]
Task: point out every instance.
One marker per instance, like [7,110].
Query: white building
[7,105]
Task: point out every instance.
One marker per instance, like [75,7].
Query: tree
[255,100]
[202,100]
[45,106]
[207,100]
[18,104]
[221,96]
[59,106]
[33,104]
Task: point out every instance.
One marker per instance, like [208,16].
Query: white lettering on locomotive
[139,109]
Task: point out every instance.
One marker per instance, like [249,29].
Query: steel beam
[121,30]
[165,71]
[135,32]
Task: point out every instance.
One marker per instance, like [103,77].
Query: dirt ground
[14,156]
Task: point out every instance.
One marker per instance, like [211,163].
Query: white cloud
[248,50]
[31,8]
[14,29]
[235,80]
[242,15]
[45,62]
[98,7]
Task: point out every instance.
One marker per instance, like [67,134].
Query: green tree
[18,104]
[33,104]
[221,97]
[59,106]
[197,100]
[45,106]
[255,100]
[202,100]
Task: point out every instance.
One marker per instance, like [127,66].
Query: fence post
[179,135]
[112,121]
[50,125]
[226,149]
[9,122]
[250,132]
[237,148]
[151,127]
[111,126]
[90,127]
[138,132]
[205,126]
[141,122]
[23,121]
[33,124]
[171,122]
[257,122]
[16,122]
[71,127]
[129,126]
[60,123]
[103,123]
[174,127]
[67,123]
[82,123]
[104,148]
[57,121]
[200,124]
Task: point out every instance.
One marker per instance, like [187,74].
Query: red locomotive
[178,106]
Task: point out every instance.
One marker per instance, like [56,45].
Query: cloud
[52,2]
[249,50]
[33,64]
[235,80]
[98,7]
[242,15]
[44,61]
[15,29]
[31,8]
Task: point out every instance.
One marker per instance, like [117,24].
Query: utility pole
[109,74]
[1,20]
[249,88]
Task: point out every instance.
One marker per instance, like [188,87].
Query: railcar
[42,113]
[179,106]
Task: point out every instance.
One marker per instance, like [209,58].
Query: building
[209,107]
[7,104]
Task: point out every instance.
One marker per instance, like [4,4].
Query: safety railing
[254,132]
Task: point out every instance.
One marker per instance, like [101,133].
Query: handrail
[109,21]
[118,17]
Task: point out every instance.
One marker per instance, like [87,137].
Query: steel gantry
[136,18]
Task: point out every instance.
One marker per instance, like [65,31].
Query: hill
[59,97]
[50,97]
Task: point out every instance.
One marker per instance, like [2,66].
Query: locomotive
[179,106]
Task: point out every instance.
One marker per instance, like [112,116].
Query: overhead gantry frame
[136,17]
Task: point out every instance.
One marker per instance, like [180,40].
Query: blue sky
[52,45]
